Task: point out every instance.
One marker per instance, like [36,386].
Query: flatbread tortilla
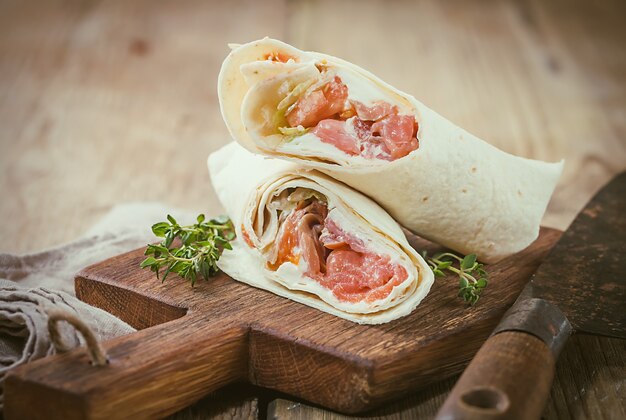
[454,189]
[248,186]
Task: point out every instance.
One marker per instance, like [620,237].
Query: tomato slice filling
[335,259]
[278,57]
[373,132]
[246,237]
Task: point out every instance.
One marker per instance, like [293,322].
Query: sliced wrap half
[433,177]
[307,237]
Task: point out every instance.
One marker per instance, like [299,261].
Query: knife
[581,286]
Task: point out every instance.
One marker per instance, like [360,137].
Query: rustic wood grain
[509,378]
[233,332]
[237,401]
[417,405]
[86,88]
[589,384]
[92,91]
[598,375]
[590,380]
[148,374]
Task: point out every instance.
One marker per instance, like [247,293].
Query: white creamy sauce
[310,145]
[376,149]
[293,274]
[350,127]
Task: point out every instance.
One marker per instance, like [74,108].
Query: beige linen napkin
[24,324]
[32,284]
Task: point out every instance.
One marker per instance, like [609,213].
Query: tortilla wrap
[454,189]
[249,185]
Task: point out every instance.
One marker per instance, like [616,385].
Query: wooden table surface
[109,102]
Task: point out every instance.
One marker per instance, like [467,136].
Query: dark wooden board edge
[359,385]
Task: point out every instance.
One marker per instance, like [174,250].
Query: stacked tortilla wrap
[441,182]
[365,270]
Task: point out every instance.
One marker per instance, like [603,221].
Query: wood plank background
[109,102]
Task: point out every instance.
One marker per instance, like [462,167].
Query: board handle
[151,373]
[511,375]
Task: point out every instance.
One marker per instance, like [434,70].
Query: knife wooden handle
[509,378]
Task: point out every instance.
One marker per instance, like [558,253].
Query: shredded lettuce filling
[288,199]
[284,106]
[291,133]
[279,120]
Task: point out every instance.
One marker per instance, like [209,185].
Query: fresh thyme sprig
[201,246]
[472,275]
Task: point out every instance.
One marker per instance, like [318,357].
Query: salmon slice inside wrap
[433,177]
[307,237]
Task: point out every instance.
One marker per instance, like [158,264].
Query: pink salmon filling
[374,132]
[337,260]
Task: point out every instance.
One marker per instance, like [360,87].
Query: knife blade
[589,265]
[581,286]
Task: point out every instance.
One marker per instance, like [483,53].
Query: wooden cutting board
[195,340]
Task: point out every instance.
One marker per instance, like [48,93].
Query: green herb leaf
[468,262]
[148,262]
[169,238]
[159,229]
[468,271]
[444,265]
[201,246]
